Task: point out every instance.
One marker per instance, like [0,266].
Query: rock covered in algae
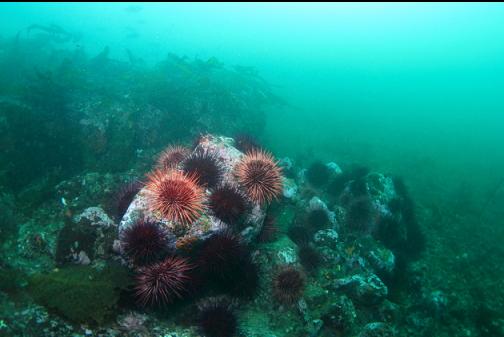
[377,329]
[340,315]
[367,289]
[80,293]
[94,216]
[316,204]
[367,200]
[87,237]
[228,156]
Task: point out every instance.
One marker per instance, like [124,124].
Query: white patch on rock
[326,238]
[289,188]
[95,216]
[334,167]
[316,203]
[83,259]
[287,255]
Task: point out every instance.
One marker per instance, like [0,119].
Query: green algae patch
[285,217]
[10,280]
[81,293]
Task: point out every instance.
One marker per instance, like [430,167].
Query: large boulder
[207,224]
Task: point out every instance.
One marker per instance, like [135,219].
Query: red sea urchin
[162,282]
[228,204]
[260,176]
[288,285]
[172,156]
[175,195]
[144,242]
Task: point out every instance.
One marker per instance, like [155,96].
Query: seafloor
[75,130]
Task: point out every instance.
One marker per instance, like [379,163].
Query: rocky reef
[164,219]
[217,242]
[106,115]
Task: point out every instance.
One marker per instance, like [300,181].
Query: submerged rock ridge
[219,237]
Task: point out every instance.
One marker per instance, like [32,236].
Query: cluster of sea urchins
[161,278]
[179,195]
[181,188]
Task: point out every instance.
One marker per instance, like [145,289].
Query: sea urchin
[162,282]
[300,235]
[226,263]
[288,285]
[172,156]
[245,142]
[309,257]
[260,176]
[144,241]
[318,219]
[175,195]
[217,318]
[125,196]
[228,204]
[206,166]
[318,174]
[269,230]
[222,254]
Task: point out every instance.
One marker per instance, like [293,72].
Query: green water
[422,80]
[414,90]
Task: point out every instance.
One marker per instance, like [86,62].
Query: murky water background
[414,90]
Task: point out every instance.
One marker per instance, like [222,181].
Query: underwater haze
[422,80]
[382,214]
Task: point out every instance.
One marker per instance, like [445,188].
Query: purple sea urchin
[309,257]
[204,165]
[221,254]
[125,196]
[217,318]
[144,242]
[245,143]
[288,285]
[318,174]
[268,231]
[225,262]
[228,204]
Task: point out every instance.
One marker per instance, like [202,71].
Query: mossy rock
[10,280]
[285,217]
[81,293]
